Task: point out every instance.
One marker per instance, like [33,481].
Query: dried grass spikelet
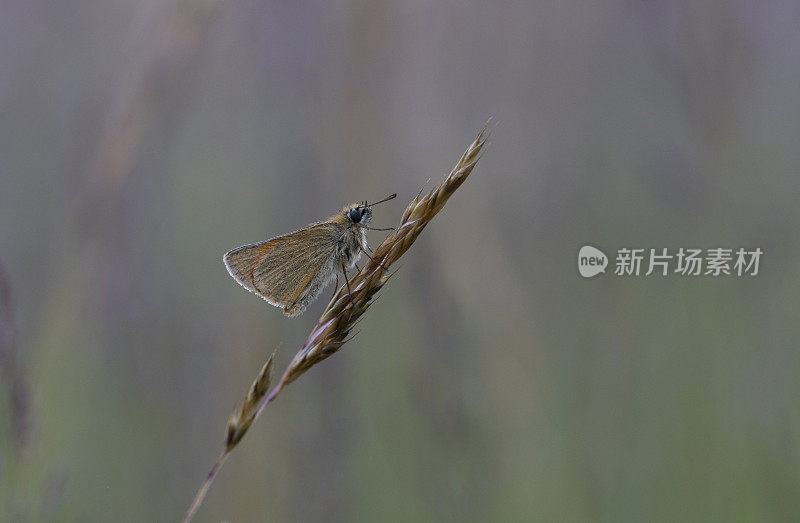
[340,316]
[244,416]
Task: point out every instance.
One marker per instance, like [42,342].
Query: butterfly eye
[355,215]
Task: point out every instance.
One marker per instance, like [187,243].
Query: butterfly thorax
[352,236]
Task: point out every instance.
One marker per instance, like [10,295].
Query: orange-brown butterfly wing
[279,269]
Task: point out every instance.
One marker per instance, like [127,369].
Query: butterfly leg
[364,248]
[350,294]
[335,287]
[375,262]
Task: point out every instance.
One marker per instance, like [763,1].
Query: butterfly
[290,271]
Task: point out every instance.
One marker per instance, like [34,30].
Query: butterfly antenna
[381,201]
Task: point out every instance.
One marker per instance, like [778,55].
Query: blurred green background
[139,141]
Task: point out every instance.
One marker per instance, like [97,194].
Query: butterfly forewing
[282,268]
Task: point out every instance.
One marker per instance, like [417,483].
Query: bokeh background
[139,141]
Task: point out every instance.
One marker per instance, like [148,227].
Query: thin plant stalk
[341,315]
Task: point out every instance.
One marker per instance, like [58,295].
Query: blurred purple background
[139,141]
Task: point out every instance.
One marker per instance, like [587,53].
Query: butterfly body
[290,271]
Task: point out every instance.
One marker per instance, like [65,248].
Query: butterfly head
[358,213]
